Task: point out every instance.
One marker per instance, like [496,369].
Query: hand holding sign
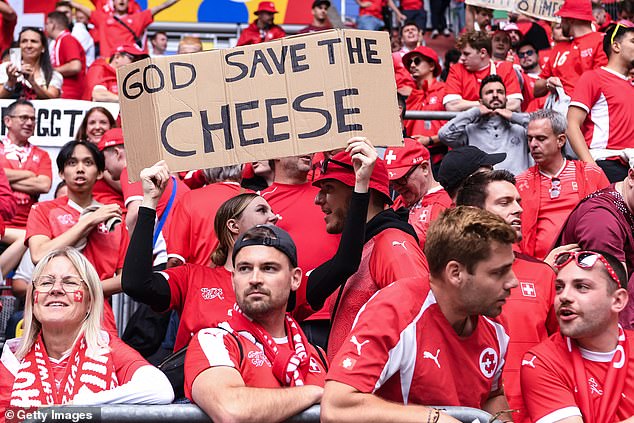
[363,156]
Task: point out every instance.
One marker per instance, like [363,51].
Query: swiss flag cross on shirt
[390,156]
[528,289]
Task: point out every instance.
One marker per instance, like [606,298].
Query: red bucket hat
[266,6]
[131,49]
[576,9]
[111,138]
[339,168]
[399,160]
[425,52]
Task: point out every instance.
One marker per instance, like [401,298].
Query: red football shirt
[112,34]
[429,97]
[65,49]
[6,32]
[192,237]
[464,85]
[201,295]
[606,96]
[403,349]
[105,194]
[304,221]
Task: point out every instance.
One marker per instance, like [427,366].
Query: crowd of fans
[484,263]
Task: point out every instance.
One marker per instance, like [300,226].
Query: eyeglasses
[403,179]
[585,260]
[527,53]
[324,166]
[70,284]
[555,188]
[24,118]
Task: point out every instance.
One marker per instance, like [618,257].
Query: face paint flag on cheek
[78,296]
[35,295]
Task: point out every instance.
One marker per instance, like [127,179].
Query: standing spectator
[411,37]
[481,18]
[79,221]
[500,46]
[529,313]
[601,113]
[120,26]
[262,29]
[464,80]
[79,30]
[529,61]
[221,380]
[438,19]
[36,79]
[409,170]
[491,127]
[551,189]
[414,11]
[568,60]
[159,43]
[431,340]
[371,14]
[8,20]
[189,44]
[67,56]
[584,373]
[383,250]
[320,17]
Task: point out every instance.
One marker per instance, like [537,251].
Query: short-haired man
[491,127]
[551,189]
[408,349]
[257,366]
[463,83]
[67,55]
[81,222]
[78,30]
[528,56]
[262,28]
[410,173]
[601,113]
[320,20]
[529,312]
[189,44]
[583,373]
[411,38]
[159,43]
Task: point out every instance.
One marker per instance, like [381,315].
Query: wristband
[8,88]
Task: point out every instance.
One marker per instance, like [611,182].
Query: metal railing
[429,115]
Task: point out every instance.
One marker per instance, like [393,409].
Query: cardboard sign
[540,9]
[507,5]
[298,95]
[58,120]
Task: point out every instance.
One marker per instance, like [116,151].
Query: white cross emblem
[528,289]
[389,157]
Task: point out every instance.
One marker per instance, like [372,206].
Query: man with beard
[528,56]
[433,340]
[529,312]
[585,372]
[234,372]
[601,113]
[491,127]
[320,17]
[411,38]
[262,29]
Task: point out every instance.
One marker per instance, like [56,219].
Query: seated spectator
[583,373]
[551,189]
[35,78]
[463,82]
[411,37]
[320,20]
[67,55]
[409,170]
[528,56]
[201,295]
[101,79]
[189,44]
[159,43]
[501,46]
[375,376]
[491,127]
[234,372]
[262,28]
[482,18]
[63,329]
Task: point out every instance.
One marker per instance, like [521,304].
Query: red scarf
[34,383]
[612,386]
[290,366]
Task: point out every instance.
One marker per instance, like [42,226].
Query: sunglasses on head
[527,53]
[325,165]
[585,260]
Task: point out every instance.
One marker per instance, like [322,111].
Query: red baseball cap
[399,160]
[576,9]
[425,52]
[131,49]
[339,168]
[111,138]
[266,6]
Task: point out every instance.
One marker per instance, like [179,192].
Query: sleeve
[586,92]
[209,348]
[97,17]
[70,50]
[179,231]
[396,256]
[546,395]
[511,82]
[453,86]
[454,132]
[45,167]
[8,206]
[325,279]
[3,72]
[547,70]
[37,223]
[131,191]
[595,178]
[57,80]
[124,243]
[178,278]
[244,38]
[403,77]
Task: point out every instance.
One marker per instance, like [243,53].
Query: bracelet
[433,416]
[8,88]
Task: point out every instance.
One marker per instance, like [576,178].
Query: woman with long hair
[64,356]
[201,295]
[35,78]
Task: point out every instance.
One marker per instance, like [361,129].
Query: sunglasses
[585,260]
[403,179]
[417,60]
[527,53]
[326,163]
